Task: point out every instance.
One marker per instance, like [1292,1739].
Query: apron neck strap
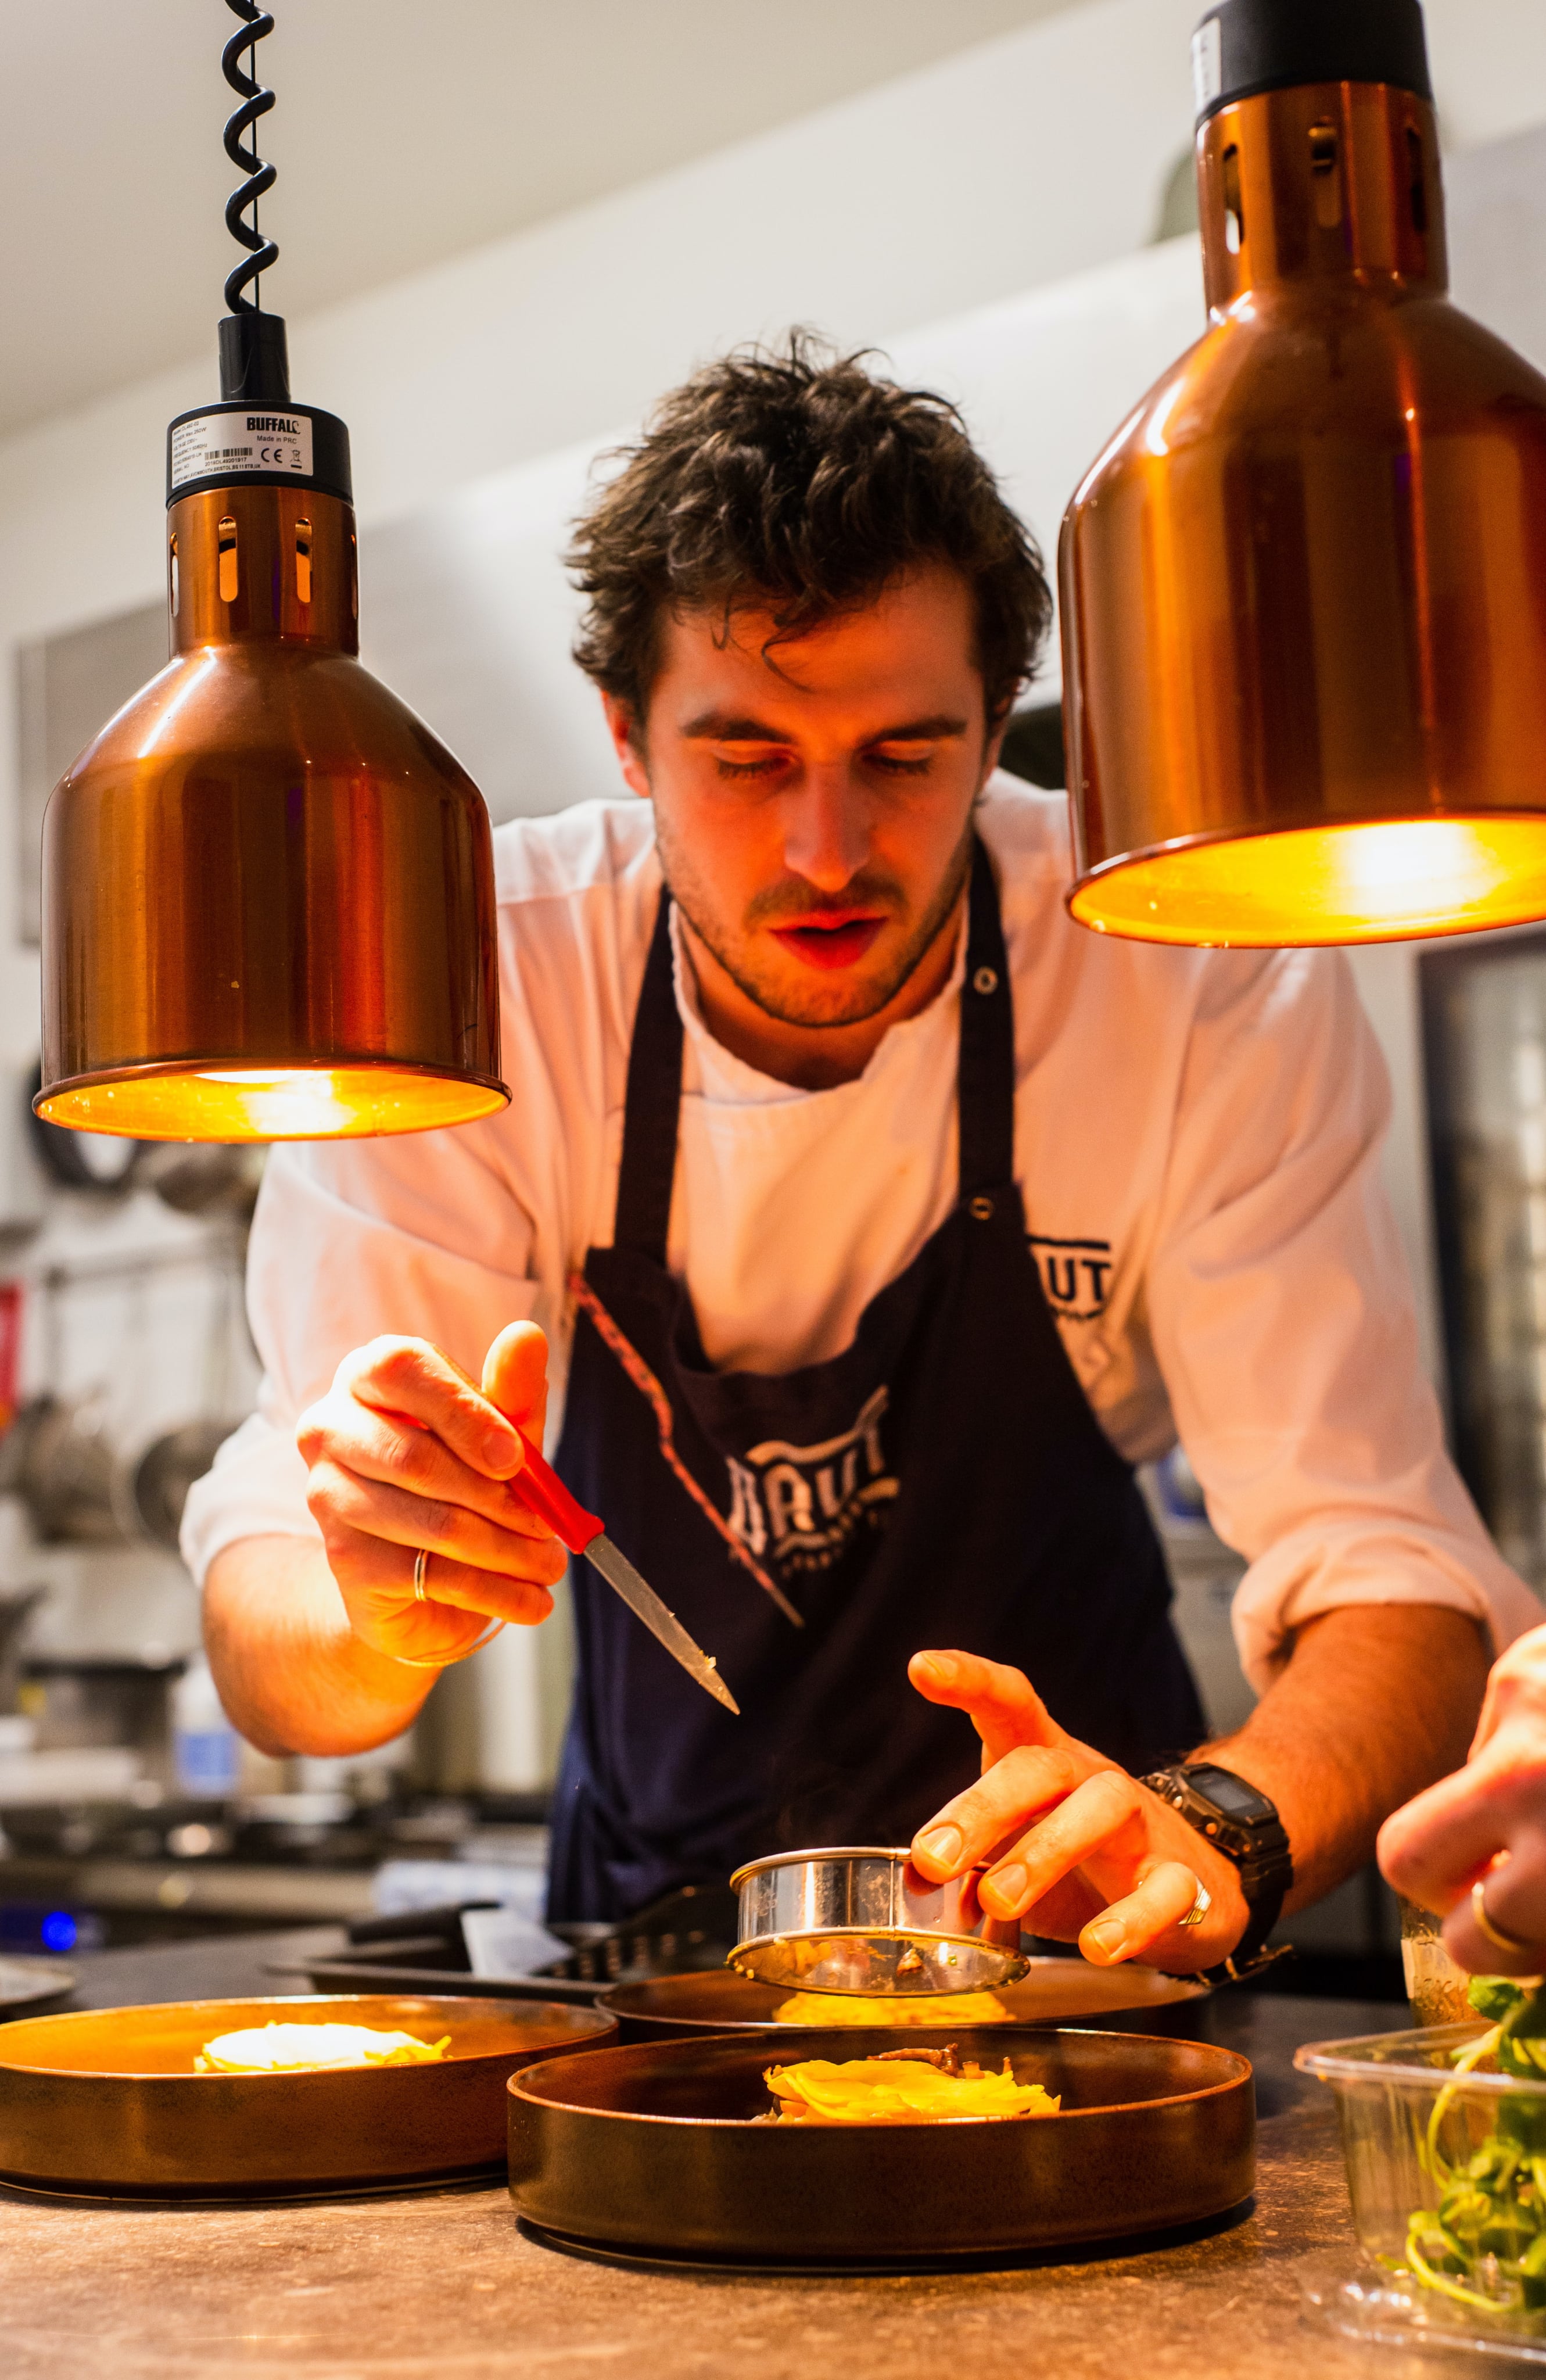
[654,1101]
[985,1079]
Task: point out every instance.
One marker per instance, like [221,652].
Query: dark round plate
[1057,1991]
[651,2150]
[106,2103]
[29,1985]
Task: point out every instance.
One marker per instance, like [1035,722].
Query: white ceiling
[404,133]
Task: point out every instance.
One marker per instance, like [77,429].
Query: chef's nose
[826,835]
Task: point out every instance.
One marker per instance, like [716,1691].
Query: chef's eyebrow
[732,727]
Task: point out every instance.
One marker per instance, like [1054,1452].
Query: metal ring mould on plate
[106,2103]
[652,2151]
[864,1921]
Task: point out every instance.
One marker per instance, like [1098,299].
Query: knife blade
[539,1487]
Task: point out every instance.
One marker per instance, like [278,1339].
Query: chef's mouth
[833,938]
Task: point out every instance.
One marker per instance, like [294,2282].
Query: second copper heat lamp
[1304,587]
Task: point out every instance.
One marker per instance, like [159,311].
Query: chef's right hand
[405,1454]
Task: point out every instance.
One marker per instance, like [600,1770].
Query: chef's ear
[627,735]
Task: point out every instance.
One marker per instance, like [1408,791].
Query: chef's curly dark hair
[797,482]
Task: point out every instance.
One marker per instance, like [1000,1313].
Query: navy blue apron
[941,1482]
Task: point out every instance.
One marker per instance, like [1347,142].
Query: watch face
[1231,1793]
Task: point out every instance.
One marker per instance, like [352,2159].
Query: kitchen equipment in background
[160,1480]
[106,2103]
[1484,1045]
[104,1163]
[206,1754]
[864,1921]
[1303,588]
[16,1607]
[1154,2134]
[415,1948]
[58,1459]
[268,899]
[31,1986]
[114,1716]
[217,1179]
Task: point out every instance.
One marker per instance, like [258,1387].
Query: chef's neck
[811,1057]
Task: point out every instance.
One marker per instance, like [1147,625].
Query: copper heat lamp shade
[268,890]
[1304,587]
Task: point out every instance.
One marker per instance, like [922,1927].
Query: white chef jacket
[1197,1138]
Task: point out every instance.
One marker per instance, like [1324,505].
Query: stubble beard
[824,1003]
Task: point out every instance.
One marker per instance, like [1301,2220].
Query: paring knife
[539,1487]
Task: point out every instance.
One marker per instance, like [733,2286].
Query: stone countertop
[444,2287]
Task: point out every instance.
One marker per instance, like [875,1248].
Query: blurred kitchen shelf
[156,1899]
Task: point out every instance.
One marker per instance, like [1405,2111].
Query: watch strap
[1254,1837]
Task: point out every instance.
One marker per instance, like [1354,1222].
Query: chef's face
[813,798]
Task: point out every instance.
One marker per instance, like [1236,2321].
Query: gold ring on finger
[421,1565]
[1199,1906]
[1509,1943]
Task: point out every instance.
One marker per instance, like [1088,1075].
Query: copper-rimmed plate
[107,2103]
[1057,1991]
[652,2150]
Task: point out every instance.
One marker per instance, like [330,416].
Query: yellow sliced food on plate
[293,2048]
[880,2091]
[920,2008]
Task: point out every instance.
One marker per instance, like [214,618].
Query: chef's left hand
[1078,1850]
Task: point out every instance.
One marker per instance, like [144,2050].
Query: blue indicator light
[60,1930]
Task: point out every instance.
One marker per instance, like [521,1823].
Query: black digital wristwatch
[1243,1825]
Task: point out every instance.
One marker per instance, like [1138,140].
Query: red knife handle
[543,1492]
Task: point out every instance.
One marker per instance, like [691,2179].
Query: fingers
[376,1451]
[1028,1779]
[1514,1896]
[1432,1849]
[1141,1920]
[409,1377]
[1001,1702]
[1083,1824]
[377,1584]
[516,1376]
[398,1517]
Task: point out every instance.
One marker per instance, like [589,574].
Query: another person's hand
[1077,1849]
[1486,1824]
[406,1455]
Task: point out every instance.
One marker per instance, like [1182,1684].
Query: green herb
[1485,2243]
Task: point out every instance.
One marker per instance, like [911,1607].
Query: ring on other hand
[1499,1939]
[420,1565]
[1199,1906]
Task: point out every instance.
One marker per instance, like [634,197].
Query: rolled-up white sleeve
[1283,1322]
[421,1237]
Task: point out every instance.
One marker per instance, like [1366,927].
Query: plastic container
[1410,2127]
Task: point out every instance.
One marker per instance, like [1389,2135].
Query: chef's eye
[903,759]
[757,764]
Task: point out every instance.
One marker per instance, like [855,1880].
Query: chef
[856,1224]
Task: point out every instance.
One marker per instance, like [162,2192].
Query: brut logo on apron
[804,1505]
